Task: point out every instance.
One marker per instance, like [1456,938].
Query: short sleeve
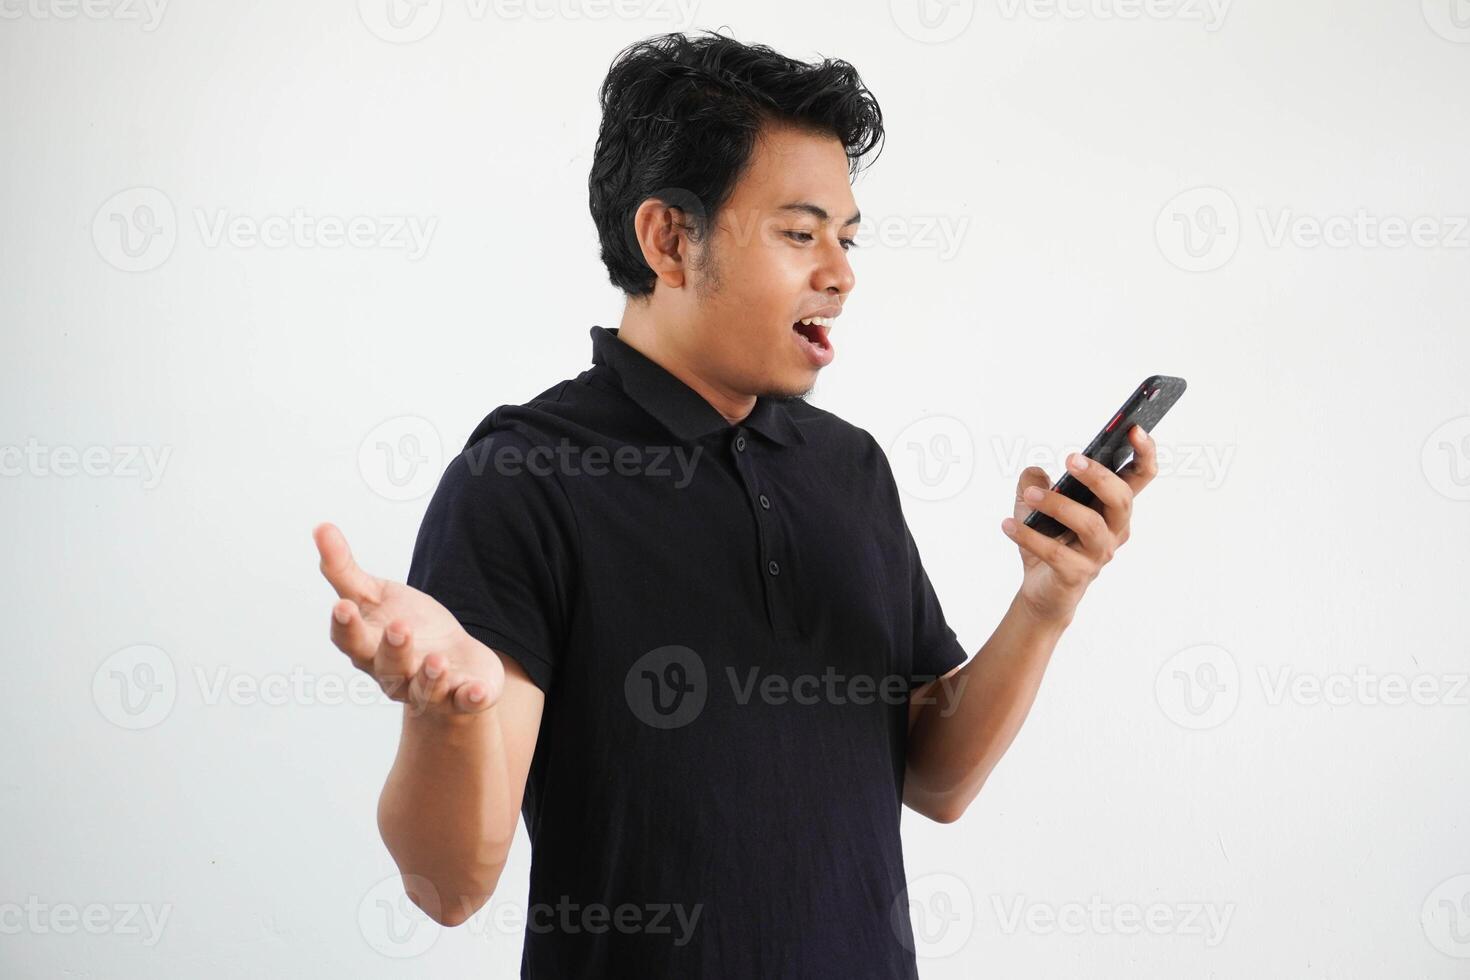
[936,649]
[497,548]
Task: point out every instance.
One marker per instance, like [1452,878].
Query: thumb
[338,566]
[1031,476]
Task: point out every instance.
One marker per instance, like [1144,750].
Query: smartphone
[1143,407]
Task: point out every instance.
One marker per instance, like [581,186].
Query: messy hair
[680,118]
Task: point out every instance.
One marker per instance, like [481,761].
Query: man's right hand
[411,645]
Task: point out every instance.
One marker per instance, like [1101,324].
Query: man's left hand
[1057,571]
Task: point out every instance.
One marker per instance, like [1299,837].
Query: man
[670,611]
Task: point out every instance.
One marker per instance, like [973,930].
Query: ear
[660,230]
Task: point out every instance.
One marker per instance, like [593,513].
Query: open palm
[414,647]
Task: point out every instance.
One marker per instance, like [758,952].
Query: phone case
[1144,407]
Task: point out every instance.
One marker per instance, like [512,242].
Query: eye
[806,236]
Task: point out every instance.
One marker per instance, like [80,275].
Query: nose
[834,275]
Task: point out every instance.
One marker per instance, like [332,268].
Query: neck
[666,346]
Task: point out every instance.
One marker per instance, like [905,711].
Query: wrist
[1045,621]
[445,724]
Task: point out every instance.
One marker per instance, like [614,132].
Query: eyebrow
[819,213]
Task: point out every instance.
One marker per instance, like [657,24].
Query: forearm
[974,715]
[446,812]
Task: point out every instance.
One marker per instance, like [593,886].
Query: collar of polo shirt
[678,407]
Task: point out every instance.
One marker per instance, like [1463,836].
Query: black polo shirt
[727,621]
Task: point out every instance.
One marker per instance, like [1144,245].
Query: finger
[1092,532]
[352,635]
[394,661]
[471,697]
[350,581]
[430,685]
[1031,476]
[1069,564]
[1115,496]
[1144,466]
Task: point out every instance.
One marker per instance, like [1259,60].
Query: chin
[790,391]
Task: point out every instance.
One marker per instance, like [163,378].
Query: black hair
[680,117]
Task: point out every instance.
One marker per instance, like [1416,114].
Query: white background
[1074,197]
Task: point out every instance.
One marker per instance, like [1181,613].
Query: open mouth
[814,333]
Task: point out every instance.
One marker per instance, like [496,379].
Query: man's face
[771,259]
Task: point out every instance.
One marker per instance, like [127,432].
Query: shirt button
[765,502]
[773,568]
[740,444]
